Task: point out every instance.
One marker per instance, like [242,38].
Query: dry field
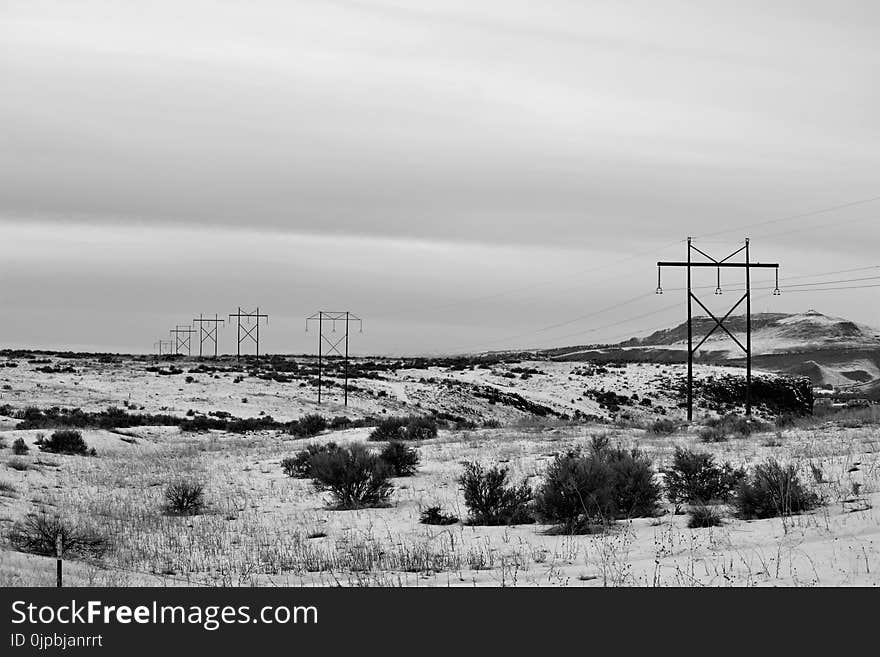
[262,528]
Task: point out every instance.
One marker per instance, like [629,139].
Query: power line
[844,287]
[554,282]
[791,217]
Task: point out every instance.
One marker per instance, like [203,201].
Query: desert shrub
[491,423]
[773,489]
[19,447]
[581,490]
[66,441]
[662,427]
[18,464]
[635,492]
[695,477]
[354,477]
[421,428]
[391,428]
[38,534]
[401,459]
[576,492]
[731,426]
[309,425]
[184,497]
[299,465]
[489,498]
[434,515]
[339,422]
[703,515]
[712,435]
[414,427]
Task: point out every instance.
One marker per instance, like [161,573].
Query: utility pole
[159,344]
[248,332]
[208,331]
[747,265]
[184,342]
[333,317]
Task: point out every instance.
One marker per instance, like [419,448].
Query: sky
[463,176]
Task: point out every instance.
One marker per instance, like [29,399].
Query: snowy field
[263,528]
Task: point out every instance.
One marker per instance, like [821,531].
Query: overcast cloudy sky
[463,175]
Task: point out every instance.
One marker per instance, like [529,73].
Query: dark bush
[184,497]
[730,426]
[636,494]
[581,490]
[308,425]
[392,428]
[299,465]
[662,427]
[19,447]
[703,515]
[576,493]
[405,428]
[38,534]
[712,435]
[66,441]
[353,476]
[489,498]
[401,459]
[339,422]
[773,490]
[434,515]
[694,477]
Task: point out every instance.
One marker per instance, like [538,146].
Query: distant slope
[830,350]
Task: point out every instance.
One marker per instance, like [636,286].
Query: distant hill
[830,350]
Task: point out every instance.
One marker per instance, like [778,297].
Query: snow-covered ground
[264,528]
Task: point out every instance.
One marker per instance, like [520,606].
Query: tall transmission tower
[208,331]
[168,345]
[344,317]
[182,338]
[747,265]
[248,332]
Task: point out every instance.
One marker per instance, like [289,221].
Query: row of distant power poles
[208,329]
[248,329]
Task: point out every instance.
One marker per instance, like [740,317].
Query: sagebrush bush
[703,515]
[491,500]
[19,447]
[695,477]
[37,533]
[66,441]
[353,476]
[184,497]
[390,428]
[413,427]
[421,428]
[662,427]
[299,465]
[636,493]
[772,490]
[308,425]
[434,515]
[402,459]
[730,426]
[712,435]
[576,492]
[581,490]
